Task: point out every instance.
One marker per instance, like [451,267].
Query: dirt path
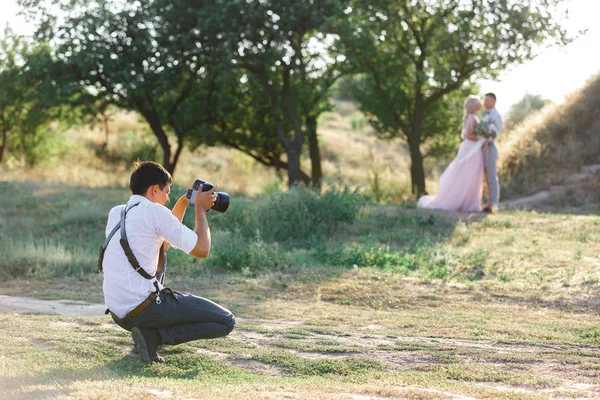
[587,178]
[67,308]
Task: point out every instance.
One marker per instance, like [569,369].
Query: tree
[284,46]
[245,122]
[10,47]
[520,110]
[415,54]
[151,57]
[27,101]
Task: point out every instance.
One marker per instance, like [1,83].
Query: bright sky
[556,72]
[553,74]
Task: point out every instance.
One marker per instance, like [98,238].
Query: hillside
[555,152]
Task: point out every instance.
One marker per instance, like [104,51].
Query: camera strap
[125,245]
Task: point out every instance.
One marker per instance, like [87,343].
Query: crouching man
[133,261]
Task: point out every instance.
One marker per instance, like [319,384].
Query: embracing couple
[461,184]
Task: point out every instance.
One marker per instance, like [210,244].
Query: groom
[493,186]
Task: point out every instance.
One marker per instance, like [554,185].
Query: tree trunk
[178,151]
[154,121]
[294,171]
[4,145]
[106,128]
[315,152]
[417,172]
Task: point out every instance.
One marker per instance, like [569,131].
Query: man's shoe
[487,210]
[147,341]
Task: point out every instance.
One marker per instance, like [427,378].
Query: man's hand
[205,200]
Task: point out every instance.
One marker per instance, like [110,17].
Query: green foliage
[417,61]
[302,215]
[358,124]
[234,252]
[592,334]
[139,148]
[27,101]
[240,218]
[289,78]
[523,108]
[150,58]
[42,145]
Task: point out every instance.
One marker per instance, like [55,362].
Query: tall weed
[234,252]
[301,215]
[42,258]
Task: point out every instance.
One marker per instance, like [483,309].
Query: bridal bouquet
[486,130]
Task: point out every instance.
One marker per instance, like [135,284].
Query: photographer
[133,263]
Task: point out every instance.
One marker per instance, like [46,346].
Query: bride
[461,184]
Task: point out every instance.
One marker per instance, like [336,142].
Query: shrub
[43,145]
[233,251]
[302,215]
[239,218]
[145,148]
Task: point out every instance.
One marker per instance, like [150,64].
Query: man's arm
[178,212]
[202,203]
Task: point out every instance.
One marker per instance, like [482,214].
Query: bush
[239,218]
[43,145]
[233,251]
[302,215]
[144,148]
[131,146]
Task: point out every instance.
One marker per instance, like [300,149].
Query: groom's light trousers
[492,174]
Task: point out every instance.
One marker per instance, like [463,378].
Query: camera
[222,202]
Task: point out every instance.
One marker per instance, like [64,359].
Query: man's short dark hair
[146,174]
[492,95]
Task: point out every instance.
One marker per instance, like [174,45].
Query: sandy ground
[69,308]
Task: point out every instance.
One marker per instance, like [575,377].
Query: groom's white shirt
[494,116]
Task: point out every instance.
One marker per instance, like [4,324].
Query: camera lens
[222,202]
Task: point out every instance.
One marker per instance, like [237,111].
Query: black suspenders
[125,245]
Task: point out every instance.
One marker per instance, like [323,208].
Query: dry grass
[552,144]
[540,152]
[350,153]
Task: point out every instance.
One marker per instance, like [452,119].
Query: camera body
[222,202]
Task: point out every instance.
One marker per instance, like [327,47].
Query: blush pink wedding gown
[461,184]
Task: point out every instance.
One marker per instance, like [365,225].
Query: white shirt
[147,225]
[494,116]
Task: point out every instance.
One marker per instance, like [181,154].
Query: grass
[394,302]
[385,301]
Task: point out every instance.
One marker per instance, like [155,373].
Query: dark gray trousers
[491,175]
[182,317]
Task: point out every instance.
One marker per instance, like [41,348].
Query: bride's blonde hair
[470,104]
